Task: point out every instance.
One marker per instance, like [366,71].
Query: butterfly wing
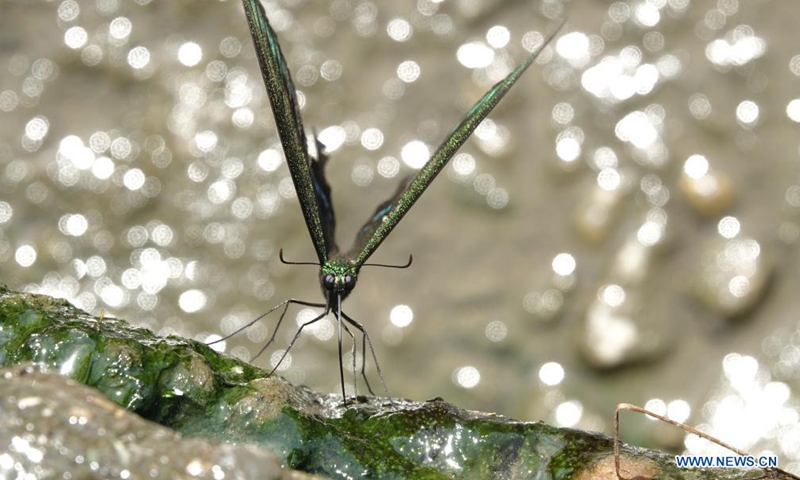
[322,190]
[307,174]
[389,213]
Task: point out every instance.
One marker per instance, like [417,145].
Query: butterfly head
[338,278]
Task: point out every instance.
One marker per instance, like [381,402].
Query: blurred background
[623,228]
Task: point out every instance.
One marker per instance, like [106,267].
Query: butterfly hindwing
[307,174]
[323,193]
[389,214]
[375,221]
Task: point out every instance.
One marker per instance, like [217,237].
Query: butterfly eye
[329,281]
[349,282]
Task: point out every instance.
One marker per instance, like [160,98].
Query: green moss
[189,387]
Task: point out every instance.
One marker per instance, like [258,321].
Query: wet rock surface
[60,426]
[54,427]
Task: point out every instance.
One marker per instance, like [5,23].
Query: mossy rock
[190,388]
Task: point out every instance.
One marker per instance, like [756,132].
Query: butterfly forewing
[312,188]
[389,214]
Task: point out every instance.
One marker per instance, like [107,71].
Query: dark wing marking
[389,213]
[323,192]
[283,98]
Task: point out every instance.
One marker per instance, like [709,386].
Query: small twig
[683,426]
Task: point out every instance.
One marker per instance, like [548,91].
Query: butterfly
[339,270]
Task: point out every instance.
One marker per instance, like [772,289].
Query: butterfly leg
[353,353]
[365,340]
[339,340]
[251,322]
[343,326]
[285,305]
[296,335]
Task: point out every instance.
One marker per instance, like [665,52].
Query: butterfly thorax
[338,278]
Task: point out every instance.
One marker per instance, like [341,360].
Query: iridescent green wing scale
[307,173]
[389,213]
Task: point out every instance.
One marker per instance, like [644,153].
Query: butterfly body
[339,270]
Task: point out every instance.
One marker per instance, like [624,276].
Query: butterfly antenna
[287,262]
[406,265]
